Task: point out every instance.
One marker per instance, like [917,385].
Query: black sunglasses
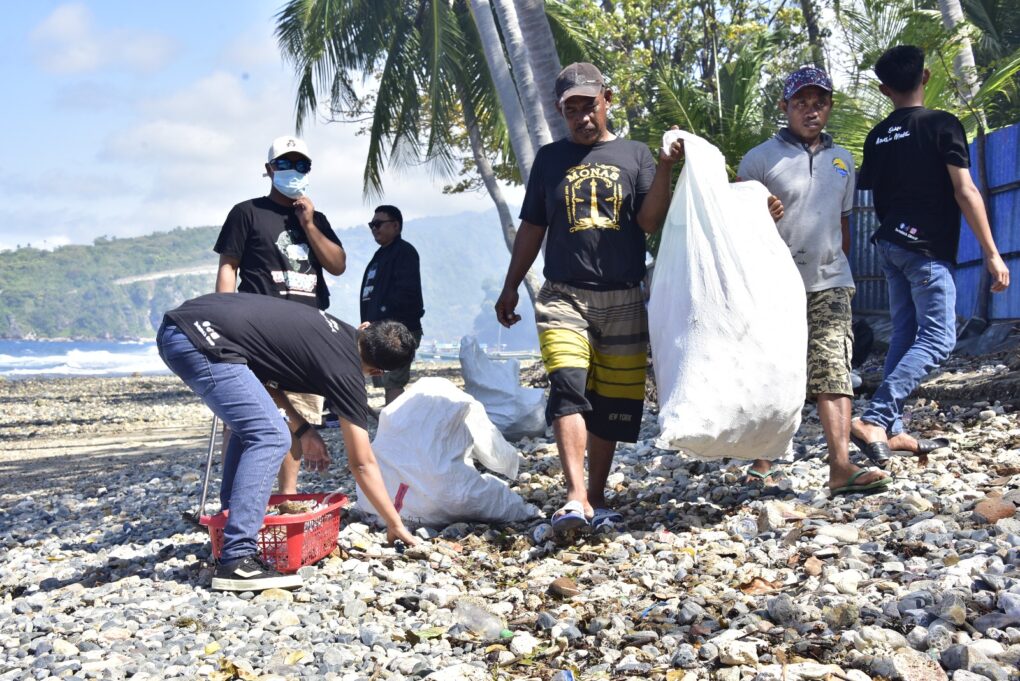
[376,224]
[302,165]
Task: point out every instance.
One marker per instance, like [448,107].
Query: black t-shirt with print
[297,347]
[274,253]
[905,159]
[588,198]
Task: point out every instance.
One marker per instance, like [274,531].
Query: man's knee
[566,394]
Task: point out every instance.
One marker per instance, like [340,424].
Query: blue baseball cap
[804,77]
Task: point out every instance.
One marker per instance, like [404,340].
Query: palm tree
[520,64]
[963,63]
[815,32]
[545,61]
[429,84]
[506,90]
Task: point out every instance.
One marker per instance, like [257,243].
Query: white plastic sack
[517,411]
[426,443]
[727,318]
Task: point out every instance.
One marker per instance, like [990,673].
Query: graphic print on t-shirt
[908,232]
[594,197]
[299,278]
[366,292]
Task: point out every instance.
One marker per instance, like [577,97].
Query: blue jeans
[260,437]
[922,308]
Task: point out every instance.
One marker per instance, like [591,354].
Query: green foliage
[871,27]
[92,291]
[424,56]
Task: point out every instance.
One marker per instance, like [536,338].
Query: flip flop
[851,488]
[605,520]
[776,474]
[878,452]
[569,517]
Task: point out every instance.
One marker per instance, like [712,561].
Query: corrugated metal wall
[1003,168]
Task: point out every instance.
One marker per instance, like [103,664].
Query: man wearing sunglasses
[391,289]
[280,245]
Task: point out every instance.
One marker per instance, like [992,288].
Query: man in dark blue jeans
[233,350]
[916,162]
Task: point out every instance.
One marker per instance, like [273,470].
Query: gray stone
[964,675]
[952,608]
[685,657]
[959,656]
[991,670]
[738,653]
[907,664]
[996,620]
[781,609]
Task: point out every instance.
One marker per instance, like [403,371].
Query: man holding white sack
[814,180]
[594,196]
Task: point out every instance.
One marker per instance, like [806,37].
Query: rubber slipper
[776,474]
[569,517]
[605,520]
[925,447]
[878,452]
[851,488]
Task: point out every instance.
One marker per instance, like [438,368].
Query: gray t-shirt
[817,189]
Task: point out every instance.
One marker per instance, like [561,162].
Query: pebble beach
[103,576]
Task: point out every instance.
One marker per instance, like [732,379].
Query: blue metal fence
[1002,165]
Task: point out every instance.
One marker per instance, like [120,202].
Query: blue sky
[124,118]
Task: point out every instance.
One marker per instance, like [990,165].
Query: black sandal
[925,447]
[877,452]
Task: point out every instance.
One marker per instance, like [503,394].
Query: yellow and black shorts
[595,349]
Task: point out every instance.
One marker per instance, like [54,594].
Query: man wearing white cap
[280,245]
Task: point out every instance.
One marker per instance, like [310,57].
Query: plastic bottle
[478,619]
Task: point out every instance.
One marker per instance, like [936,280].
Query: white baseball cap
[285,145]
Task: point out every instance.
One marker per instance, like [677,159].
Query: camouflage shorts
[830,342]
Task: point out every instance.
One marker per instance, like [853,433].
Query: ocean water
[23,358]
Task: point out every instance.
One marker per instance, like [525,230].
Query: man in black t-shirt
[238,351]
[391,288]
[280,245]
[916,161]
[593,197]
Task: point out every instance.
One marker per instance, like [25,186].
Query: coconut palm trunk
[506,91]
[963,64]
[545,62]
[520,65]
[532,282]
[810,12]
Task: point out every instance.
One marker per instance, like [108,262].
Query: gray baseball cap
[580,79]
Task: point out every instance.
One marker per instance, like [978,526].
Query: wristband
[302,430]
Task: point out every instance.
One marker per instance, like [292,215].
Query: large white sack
[517,411]
[425,445]
[727,318]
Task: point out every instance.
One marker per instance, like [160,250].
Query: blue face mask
[291,183]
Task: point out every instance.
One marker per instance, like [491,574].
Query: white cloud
[59,183]
[189,153]
[90,95]
[166,140]
[68,42]
[252,49]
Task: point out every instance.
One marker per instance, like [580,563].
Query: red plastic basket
[289,542]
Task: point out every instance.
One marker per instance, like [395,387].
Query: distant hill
[119,288]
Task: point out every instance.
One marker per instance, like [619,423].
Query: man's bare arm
[973,208]
[226,274]
[527,244]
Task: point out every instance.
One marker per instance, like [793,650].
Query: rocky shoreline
[101,575]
